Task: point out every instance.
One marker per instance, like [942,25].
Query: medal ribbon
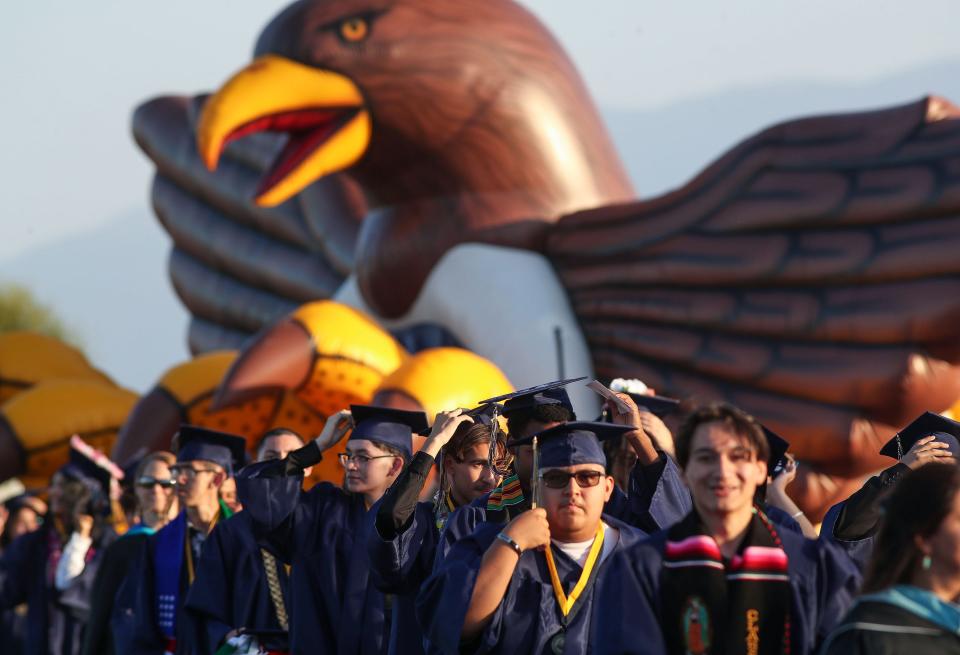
[565,602]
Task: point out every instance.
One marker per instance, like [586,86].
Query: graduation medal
[568,604]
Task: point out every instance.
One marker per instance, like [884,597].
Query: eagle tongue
[306,131]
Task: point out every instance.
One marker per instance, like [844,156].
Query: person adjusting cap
[927,424]
[387,426]
[224,450]
[577,442]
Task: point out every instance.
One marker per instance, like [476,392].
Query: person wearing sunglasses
[334,606]
[403,546]
[529,585]
[153,592]
[156,506]
[241,594]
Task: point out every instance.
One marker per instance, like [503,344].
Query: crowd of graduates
[515,528]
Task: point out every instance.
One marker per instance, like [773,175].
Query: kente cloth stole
[711,606]
[507,494]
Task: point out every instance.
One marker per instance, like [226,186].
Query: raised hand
[444,426]
[928,450]
[336,426]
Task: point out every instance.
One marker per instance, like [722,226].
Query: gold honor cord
[566,602]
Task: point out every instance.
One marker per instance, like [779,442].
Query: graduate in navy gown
[403,546]
[241,591]
[322,533]
[853,524]
[529,586]
[155,590]
[52,569]
[725,578]
[656,496]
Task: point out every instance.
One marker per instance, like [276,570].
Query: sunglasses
[560,479]
[147,482]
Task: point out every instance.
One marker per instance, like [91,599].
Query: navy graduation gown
[823,583]
[231,591]
[55,620]
[528,616]
[658,498]
[858,550]
[400,566]
[322,533]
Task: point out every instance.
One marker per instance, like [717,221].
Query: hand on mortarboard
[786,476]
[336,426]
[444,427]
[928,450]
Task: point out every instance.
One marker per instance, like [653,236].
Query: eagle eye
[354,29]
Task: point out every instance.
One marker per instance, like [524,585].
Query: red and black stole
[718,607]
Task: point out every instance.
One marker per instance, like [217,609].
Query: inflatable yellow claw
[27,358]
[328,354]
[184,394]
[36,425]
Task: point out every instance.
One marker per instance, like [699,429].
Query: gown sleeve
[626,616]
[444,598]
[860,514]
[658,494]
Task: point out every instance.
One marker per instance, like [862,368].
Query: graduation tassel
[534,482]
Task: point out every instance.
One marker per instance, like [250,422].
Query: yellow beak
[323,112]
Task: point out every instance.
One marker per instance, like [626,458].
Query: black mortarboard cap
[657,405]
[576,442]
[484,414]
[551,393]
[778,451]
[225,450]
[944,429]
[82,468]
[387,426]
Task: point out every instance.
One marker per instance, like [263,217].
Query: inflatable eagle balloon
[441,166]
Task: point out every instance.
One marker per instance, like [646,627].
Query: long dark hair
[918,505]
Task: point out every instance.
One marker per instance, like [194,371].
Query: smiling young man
[322,533]
[529,585]
[723,579]
[403,546]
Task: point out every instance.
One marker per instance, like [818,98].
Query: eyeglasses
[560,479]
[188,471]
[146,482]
[359,458]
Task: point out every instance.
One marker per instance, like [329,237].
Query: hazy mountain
[111,284]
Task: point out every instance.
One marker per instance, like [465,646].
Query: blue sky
[73,71]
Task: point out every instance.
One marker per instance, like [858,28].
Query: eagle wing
[810,275]
[236,266]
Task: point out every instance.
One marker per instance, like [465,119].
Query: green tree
[19,310]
